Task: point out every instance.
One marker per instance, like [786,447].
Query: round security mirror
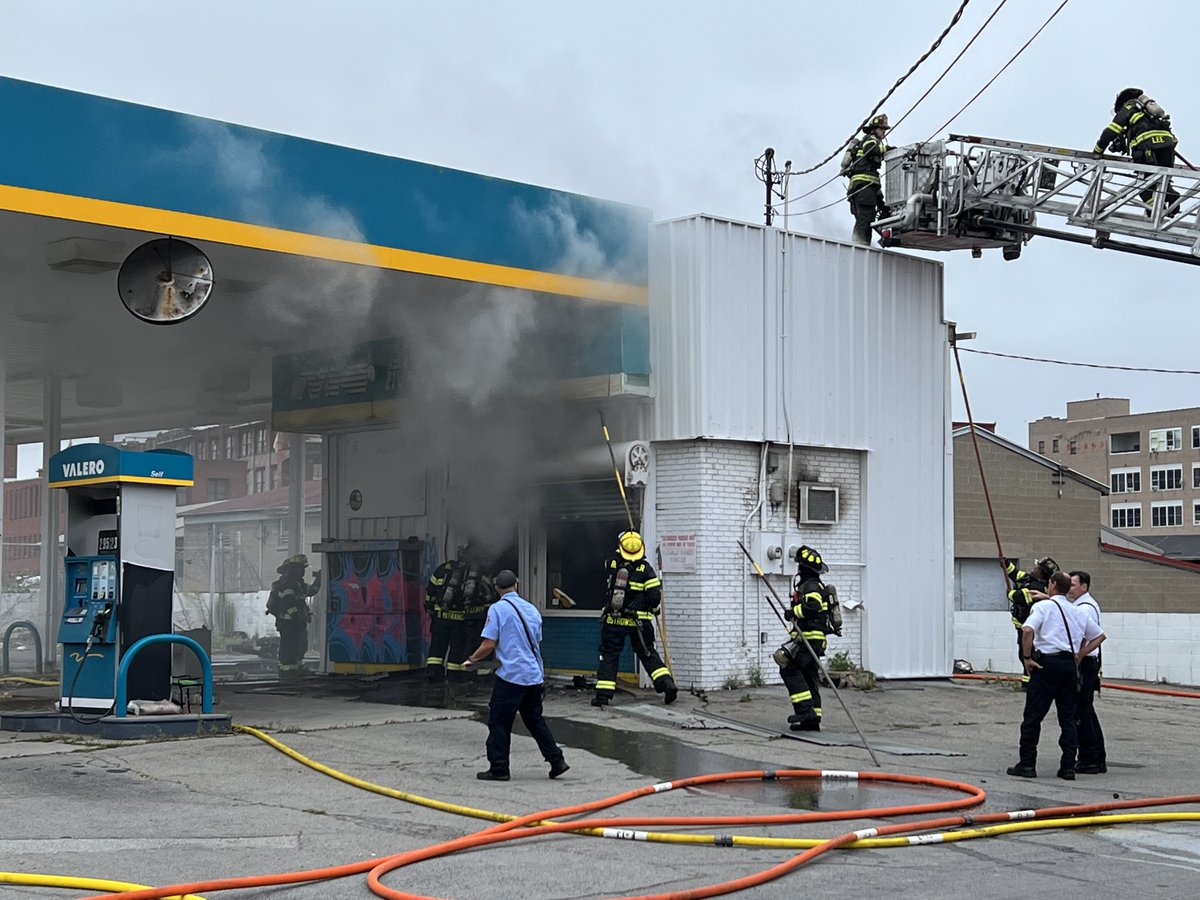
[165,281]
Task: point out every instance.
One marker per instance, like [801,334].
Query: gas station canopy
[310,244]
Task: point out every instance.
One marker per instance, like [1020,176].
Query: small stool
[184,686]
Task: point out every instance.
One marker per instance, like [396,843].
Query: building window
[260,441]
[1196,512]
[285,471]
[1126,481]
[1196,437]
[1196,475]
[1127,515]
[1054,445]
[216,489]
[1125,442]
[245,443]
[214,449]
[201,450]
[283,534]
[1166,478]
[230,447]
[1166,514]
[260,478]
[316,471]
[1041,446]
[1072,446]
[1164,439]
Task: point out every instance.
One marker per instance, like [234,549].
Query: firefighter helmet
[1125,96]
[808,558]
[298,560]
[630,546]
[1048,565]
[879,121]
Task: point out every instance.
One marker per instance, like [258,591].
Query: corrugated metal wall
[753,330]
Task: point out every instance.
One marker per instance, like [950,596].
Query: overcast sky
[667,104]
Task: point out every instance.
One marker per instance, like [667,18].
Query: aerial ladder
[977,193]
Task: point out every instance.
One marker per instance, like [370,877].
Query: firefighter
[633,598]
[444,603]
[865,192]
[809,618]
[1143,129]
[478,595]
[288,603]
[1030,587]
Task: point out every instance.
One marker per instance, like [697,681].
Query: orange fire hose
[1106,685]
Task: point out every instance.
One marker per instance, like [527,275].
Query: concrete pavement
[169,811]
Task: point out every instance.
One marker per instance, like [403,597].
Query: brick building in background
[1150,461]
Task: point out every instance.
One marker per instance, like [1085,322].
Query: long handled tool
[817,659]
[662,630]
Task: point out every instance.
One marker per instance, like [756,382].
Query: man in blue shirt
[514,631]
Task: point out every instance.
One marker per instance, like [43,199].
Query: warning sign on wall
[678,553]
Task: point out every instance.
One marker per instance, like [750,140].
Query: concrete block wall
[1151,647]
[717,616]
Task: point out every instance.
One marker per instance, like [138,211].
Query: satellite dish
[165,281]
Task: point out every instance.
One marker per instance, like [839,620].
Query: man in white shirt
[1092,759]
[1053,639]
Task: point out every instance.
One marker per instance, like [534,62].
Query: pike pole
[660,618]
[762,575]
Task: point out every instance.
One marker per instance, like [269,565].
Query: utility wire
[1022,49]
[1061,362]
[909,111]
[892,90]
[946,124]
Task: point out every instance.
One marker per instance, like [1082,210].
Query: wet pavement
[160,812]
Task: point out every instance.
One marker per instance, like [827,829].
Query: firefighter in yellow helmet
[808,621]
[288,603]
[633,597]
[865,191]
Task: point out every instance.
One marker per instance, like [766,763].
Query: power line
[892,90]
[1061,362]
[1022,49]
[979,93]
[909,111]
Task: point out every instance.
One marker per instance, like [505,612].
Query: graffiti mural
[377,615]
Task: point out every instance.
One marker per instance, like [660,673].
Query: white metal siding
[751,328]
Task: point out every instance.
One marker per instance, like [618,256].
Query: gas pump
[120,570]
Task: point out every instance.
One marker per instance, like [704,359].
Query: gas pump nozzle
[100,622]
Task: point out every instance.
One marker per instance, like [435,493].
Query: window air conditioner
[816,504]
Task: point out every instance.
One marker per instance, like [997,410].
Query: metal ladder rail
[1112,189]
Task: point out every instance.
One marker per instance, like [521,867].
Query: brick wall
[715,616]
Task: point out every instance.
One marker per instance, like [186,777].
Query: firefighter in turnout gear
[865,193]
[634,594]
[288,603]
[1142,128]
[809,621]
[1021,598]
[456,598]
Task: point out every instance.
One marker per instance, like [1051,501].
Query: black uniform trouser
[641,638]
[1091,737]
[293,642]
[865,200]
[1158,156]
[449,644]
[1021,665]
[507,701]
[802,677]
[1053,683]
